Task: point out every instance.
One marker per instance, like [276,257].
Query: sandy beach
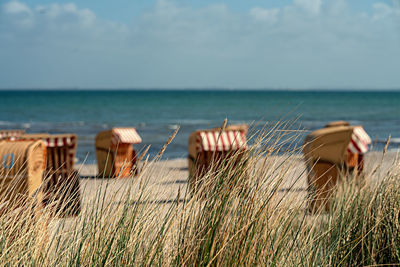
[166,177]
[161,182]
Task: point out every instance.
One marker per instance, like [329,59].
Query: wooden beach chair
[211,148]
[61,184]
[116,156]
[22,165]
[10,134]
[329,153]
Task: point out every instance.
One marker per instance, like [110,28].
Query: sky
[276,44]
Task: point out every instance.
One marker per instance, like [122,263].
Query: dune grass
[239,216]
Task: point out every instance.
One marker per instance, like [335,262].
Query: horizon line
[349,89]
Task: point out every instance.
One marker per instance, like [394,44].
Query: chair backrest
[333,144]
[328,144]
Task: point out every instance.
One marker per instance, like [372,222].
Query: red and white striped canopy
[125,135]
[359,141]
[220,141]
[10,134]
[59,141]
[53,140]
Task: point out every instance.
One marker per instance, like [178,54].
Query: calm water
[156,114]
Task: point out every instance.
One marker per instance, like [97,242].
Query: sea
[156,114]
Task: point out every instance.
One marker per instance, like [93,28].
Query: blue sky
[127,10]
[293,44]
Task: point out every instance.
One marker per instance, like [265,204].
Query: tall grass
[251,213]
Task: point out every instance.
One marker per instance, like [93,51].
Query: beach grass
[239,215]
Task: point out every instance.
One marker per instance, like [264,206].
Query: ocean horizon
[157,113]
[202,89]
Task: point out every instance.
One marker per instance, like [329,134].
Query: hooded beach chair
[211,148]
[338,149]
[10,134]
[115,154]
[61,185]
[22,165]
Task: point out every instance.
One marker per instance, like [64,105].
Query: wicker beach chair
[116,156]
[210,149]
[22,165]
[61,184]
[334,151]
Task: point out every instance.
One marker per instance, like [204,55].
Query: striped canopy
[10,134]
[125,135]
[220,141]
[59,141]
[359,141]
[67,140]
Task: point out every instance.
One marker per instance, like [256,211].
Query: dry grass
[238,217]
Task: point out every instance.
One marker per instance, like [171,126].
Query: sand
[165,181]
[167,177]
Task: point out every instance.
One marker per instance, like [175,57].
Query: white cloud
[312,6]
[382,10]
[19,14]
[301,45]
[264,14]
[67,13]
[15,7]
